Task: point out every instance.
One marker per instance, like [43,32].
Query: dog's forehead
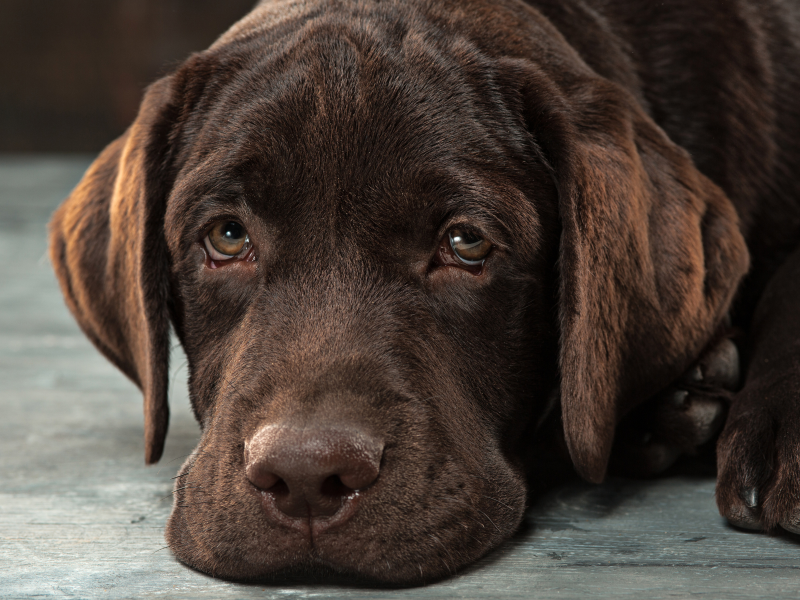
[358,123]
[349,98]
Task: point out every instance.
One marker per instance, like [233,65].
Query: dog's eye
[469,248]
[226,239]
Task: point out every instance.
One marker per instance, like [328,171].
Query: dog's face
[390,281]
[348,311]
[385,241]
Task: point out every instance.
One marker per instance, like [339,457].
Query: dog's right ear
[108,250]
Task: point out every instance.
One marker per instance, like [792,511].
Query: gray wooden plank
[81,516]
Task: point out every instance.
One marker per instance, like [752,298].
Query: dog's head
[385,237]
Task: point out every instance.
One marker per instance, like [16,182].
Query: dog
[416,249]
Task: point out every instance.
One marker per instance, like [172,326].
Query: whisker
[449,568]
[496,500]
[472,507]
[487,518]
[483,513]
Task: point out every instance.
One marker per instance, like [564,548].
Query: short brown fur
[629,161]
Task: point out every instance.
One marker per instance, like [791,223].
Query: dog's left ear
[651,254]
[108,250]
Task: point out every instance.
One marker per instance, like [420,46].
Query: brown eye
[469,248]
[226,239]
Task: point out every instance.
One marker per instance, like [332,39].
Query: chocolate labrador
[408,245]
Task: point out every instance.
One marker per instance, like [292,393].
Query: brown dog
[403,240]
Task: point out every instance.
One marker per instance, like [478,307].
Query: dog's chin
[310,570]
[381,545]
[314,571]
[340,563]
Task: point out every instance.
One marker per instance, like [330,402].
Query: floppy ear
[109,253]
[651,255]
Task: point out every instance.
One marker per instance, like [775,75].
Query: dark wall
[72,71]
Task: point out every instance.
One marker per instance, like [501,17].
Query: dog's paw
[758,480]
[682,418]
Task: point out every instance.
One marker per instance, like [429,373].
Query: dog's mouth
[337,506]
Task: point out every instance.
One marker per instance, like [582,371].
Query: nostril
[279,489]
[360,475]
[261,477]
[333,487]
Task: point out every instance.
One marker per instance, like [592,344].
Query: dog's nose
[311,472]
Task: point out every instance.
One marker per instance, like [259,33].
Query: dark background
[72,72]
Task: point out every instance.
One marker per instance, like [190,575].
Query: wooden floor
[82,517]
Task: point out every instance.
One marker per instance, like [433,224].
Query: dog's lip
[308,526]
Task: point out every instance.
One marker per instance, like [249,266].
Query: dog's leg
[682,418]
[758,454]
